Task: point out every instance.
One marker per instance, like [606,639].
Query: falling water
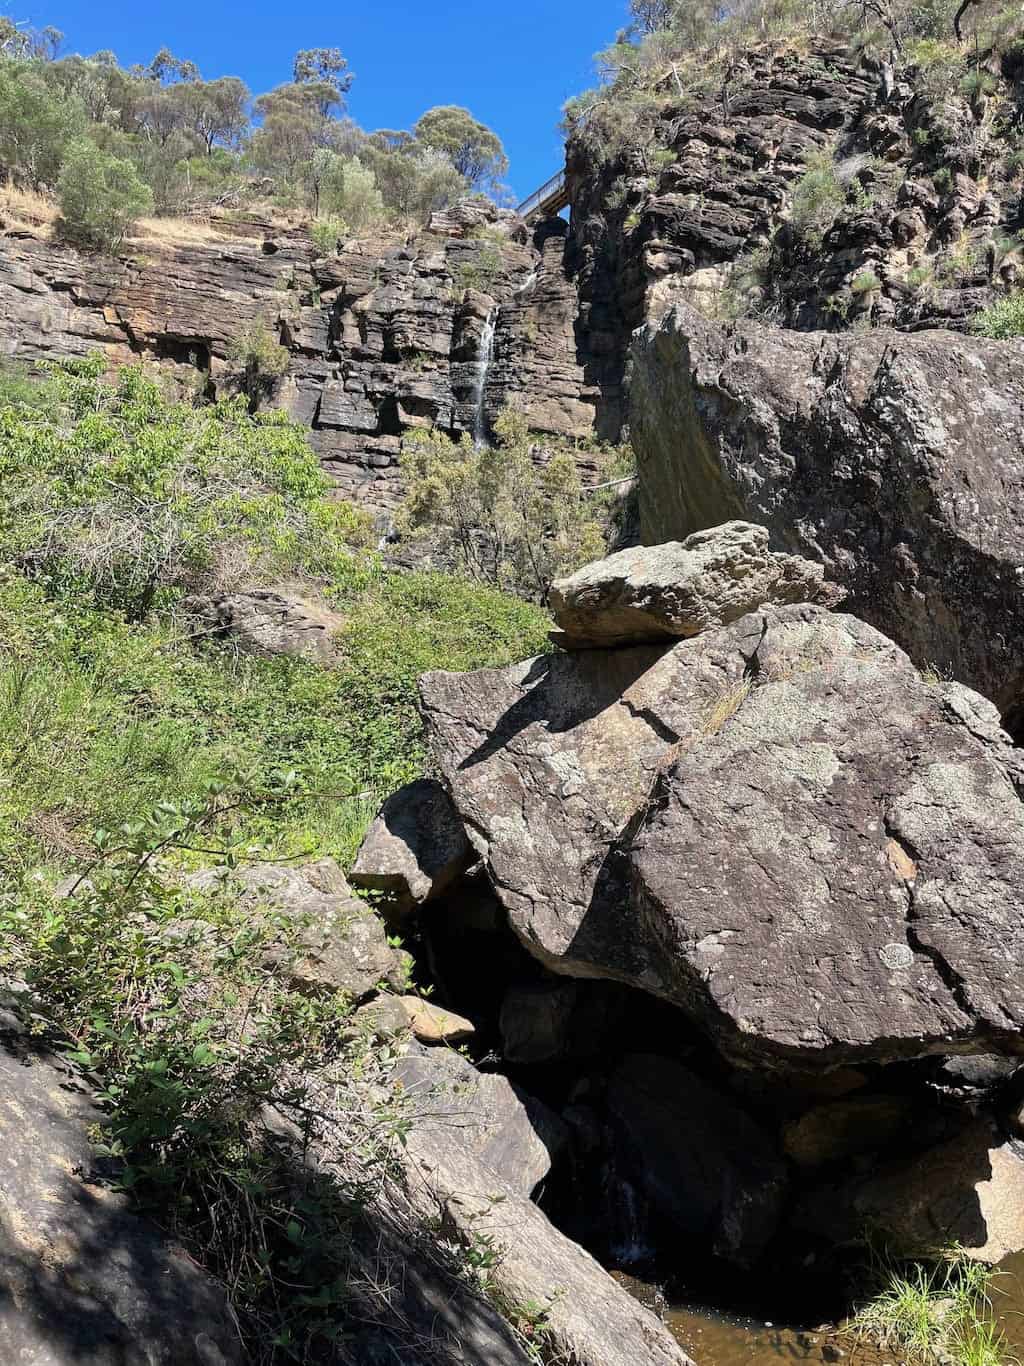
[483,364]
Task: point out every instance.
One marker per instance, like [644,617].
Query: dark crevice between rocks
[727,1187]
[1013,723]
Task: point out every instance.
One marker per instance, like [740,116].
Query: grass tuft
[938,1315]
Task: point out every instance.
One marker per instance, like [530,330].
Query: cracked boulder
[664,592]
[780,826]
[549,761]
[271,621]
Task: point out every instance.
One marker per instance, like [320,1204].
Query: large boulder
[550,760]
[893,459]
[779,826]
[663,592]
[329,940]
[271,621]
[83,1280]
[703,1161]
[415,849]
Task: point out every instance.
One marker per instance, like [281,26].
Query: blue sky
[513,65]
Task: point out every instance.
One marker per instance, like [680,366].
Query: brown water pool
[715,1339]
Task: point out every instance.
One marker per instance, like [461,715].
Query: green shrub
[817,198]
[865,282]
[100,196]
[327,234]
[502,520]
[36,125]
[258,359]
[123,498]
[1003,320]
[350,194]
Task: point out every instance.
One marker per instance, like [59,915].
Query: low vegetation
[936,1315]
[1003,320]
[674,55]
[503,518]
[135,747]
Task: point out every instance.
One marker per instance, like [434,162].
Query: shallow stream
[716,1339]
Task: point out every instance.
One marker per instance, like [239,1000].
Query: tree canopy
[189,141]
[471,147]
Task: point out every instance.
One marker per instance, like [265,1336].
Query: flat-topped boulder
[664,592]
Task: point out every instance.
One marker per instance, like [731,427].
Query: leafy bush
[100,196]
[327,233]
[259,359]
[128,500]
[865,282]
[817,198]
[35,128]
[1003,320]
[503,520]
[170,1003]
[349,193]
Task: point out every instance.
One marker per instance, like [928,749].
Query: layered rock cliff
[922,189]
[386,335]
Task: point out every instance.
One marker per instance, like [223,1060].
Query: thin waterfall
[483,364]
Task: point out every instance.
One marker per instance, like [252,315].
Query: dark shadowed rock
[415,849]
[335,943]
[701,1158]
[472,1157]
[84,1281]
[892,459]
[968,1191]
[844,1128]
[663,592]
[829,870]
[536,1019]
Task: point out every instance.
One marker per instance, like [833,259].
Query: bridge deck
[551,198]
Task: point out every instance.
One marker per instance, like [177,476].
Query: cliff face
[922,196]
[919,228]
[385,336]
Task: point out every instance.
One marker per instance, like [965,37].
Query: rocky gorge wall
[384,336]
[924,231]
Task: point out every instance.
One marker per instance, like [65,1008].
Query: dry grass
[727,705]
[177,231]
[26,211]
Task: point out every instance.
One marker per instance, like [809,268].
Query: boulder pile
[756,878]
